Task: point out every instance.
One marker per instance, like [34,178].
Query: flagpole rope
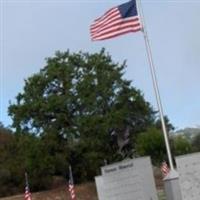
[155,83]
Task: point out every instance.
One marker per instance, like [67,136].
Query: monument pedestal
[171,186]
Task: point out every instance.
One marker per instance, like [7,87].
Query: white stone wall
[128,180]
[188,167]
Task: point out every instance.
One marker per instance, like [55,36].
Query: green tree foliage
[169,126]
[196,142]
[181,145]
[79,98]
[77,94]
[5,176]
[23,153]
[67,112]
[151,143]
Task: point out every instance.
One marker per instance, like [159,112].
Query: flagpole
[26,178]
[155,84]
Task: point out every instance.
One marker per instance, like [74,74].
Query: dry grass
[83,192]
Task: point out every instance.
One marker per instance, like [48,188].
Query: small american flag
[164,168]
[116,21]
[71,185]
[27,194]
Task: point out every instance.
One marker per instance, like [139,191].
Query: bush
[151,143]
[181,145]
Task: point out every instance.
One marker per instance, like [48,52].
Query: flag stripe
[164,169]
[107,23]
[71,185]
[72,192]
[117,27]
[116,21]
[109,14]
[116,33]
[27,195]
[114,16]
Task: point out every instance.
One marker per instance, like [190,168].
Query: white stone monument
[188,167]
[127,180]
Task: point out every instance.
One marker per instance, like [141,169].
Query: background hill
[189,133]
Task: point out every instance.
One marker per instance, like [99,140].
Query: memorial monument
[131,179]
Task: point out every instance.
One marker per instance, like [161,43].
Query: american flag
[116,21]
[164,168]
[27,194]
[71,185]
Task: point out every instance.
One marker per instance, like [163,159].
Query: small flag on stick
[164,169]
[27,194]
[116,21]
[71,185]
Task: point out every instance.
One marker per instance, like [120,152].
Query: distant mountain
[189,133]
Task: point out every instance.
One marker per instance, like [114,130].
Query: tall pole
[155,83]
[26,178]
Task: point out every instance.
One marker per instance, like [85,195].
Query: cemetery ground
[83,191]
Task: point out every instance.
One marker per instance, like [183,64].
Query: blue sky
[32,30]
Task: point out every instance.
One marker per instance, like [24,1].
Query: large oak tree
[80,99]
